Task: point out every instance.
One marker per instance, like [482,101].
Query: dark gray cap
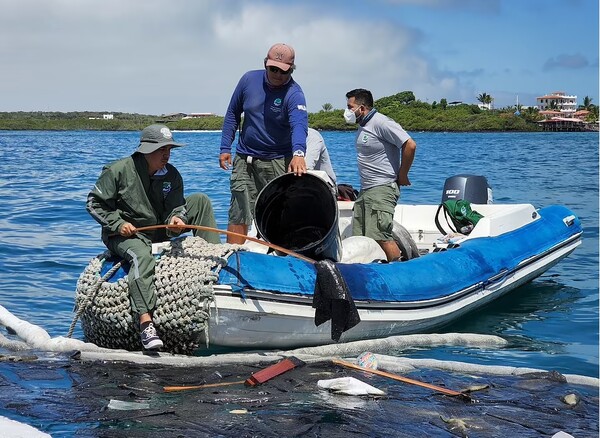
[155,137]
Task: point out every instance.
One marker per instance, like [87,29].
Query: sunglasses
[274,69]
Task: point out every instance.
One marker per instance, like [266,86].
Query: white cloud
[334,55]
[159,56]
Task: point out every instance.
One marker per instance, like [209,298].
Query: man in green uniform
[143,190]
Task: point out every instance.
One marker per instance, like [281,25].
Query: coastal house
[566,105]
[104,117]
[560,113]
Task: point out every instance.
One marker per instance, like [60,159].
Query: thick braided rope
[80,307]
[184,278]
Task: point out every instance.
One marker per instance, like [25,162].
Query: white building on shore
[558,101]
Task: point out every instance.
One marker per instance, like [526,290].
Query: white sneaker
[150,339]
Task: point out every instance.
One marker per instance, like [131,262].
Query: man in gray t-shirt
[317,157]
[385,154]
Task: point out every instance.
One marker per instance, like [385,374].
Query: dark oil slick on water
[47,238]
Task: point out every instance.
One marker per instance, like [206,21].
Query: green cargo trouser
[137,251]
[248,178]
[200,212]
[374,212]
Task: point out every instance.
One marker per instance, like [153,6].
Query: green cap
[155,137]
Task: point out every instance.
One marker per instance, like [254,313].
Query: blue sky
[162,56]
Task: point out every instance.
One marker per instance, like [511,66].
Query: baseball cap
[155,137]
[282,56]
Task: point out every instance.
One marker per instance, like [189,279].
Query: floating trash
[127,406]
[571,399]
[349,386]
[367,360]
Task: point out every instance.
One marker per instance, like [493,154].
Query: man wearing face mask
[385,154]
[273,136]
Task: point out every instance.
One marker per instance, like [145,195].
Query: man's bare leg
[237,228]
[391,250]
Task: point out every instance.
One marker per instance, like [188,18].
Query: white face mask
[350,116]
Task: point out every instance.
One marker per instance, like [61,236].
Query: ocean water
[47,237]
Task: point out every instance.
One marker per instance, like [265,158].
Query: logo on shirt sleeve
[302,107]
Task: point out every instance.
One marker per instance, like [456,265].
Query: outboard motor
[472,188]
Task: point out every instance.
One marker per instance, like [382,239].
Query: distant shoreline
[413,118]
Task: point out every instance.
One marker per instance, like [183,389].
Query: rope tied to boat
[80,307]
[184,277]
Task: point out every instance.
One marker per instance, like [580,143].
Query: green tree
[406,97]
[587,103]
[485,98]
[443,103]
[327,107]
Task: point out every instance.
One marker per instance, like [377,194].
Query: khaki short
[248,178]
[374,212]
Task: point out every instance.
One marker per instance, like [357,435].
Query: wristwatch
[298,153]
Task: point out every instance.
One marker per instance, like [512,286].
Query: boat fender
[405,242]
[361,249]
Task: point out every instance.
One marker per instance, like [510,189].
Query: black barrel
[300,213]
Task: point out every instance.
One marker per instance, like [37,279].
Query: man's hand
[127,230]
[176,226]
[403,180]
[177,221]
[225,160]
[297,166]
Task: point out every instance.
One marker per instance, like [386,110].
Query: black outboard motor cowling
[473,188]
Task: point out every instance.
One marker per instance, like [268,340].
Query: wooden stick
[401,379]
[207,385]
[231,233]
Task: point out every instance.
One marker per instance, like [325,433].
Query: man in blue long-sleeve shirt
[273,136]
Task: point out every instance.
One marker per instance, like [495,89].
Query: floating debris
[12,358]
[571,399]
[475,388]
[456,424]
[349,386]
[367,360]
[127,406]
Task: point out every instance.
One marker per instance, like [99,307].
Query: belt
[248,159]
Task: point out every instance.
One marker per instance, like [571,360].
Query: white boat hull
[268,322]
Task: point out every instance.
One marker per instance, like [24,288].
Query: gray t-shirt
[317,157]
[378,146]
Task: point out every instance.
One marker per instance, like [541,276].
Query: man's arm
[102,200]
[409,149]
[231,122]
[314,148]
[298,119]
[175,203]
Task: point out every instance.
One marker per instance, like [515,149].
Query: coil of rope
[184,278]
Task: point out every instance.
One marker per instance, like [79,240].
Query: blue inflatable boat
[265,300]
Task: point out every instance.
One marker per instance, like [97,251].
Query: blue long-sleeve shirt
[275,119]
